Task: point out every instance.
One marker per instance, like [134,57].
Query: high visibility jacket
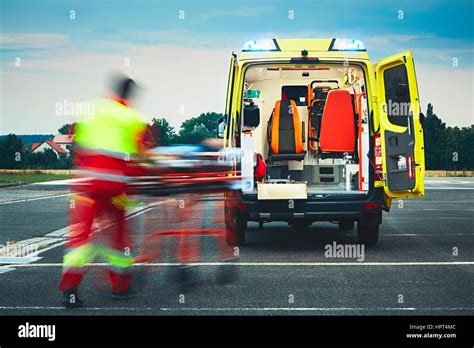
[107,143]
[114,128]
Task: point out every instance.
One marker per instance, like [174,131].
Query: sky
[54,53]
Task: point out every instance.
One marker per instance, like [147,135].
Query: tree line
[446,148]
[15,154]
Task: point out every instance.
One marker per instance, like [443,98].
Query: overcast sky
[56,52]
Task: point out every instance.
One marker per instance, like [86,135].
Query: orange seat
[285,135]
[338,134]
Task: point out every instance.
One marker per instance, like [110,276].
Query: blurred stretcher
[187,169]
[187,174]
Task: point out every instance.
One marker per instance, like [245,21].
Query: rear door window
[397,95]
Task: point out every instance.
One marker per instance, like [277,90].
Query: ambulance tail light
[371,205]
[241,206]
[378,161]
[411,167]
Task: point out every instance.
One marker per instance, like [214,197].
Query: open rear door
[229,112]
[401,132]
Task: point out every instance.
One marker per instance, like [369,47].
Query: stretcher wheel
[235,232]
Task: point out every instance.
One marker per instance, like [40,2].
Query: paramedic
[107,150]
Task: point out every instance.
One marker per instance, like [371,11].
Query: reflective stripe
[123,156]
[101,175]
[75,258]
[78,257]
[116,259]
[94,152]
[83,199]
[123,201]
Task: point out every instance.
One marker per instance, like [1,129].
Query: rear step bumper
[315,216]
[328,208]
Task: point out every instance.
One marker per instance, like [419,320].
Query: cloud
[450,91]
[33,41]
[173,76]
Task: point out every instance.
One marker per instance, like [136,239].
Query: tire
[346,225]
[235,232]
[368,231]
[235,225]
[300,224]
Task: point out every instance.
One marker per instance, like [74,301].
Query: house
[64,141]
[48,144]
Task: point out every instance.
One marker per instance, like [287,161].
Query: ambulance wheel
[346,225]
[368,231]
[235,232]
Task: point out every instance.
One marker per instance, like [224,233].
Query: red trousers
[83,212]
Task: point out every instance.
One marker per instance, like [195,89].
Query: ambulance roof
[275,49]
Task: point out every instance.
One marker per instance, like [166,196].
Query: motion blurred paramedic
[107,150]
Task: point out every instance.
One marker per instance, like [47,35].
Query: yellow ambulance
[324,135]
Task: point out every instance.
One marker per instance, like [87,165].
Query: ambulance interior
[311,127]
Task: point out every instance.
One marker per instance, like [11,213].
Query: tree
[435,140]
[196,129]
[12,153]
[65,128]
[447,147]
[50,158]
[64,162]
[162,131]
[467,147]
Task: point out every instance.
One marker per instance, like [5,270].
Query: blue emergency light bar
[265,45]
[346,45]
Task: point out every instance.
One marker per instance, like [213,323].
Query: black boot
[71,299]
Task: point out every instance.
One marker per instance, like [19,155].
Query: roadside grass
[449,173]
[30,177]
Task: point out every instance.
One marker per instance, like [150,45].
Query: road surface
[423,263]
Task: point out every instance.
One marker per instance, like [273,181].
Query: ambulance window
[296,93]
[397,94]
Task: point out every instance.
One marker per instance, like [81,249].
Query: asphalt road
[423,263]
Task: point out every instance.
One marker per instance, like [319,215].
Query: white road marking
[268,264]
[55,239]
[238,309]
[18,260]
[448,188]
[36,198]
[412,201]
[435,209]
[418,234]
[427,218]
[60,182]
[6,269]
[448,182]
